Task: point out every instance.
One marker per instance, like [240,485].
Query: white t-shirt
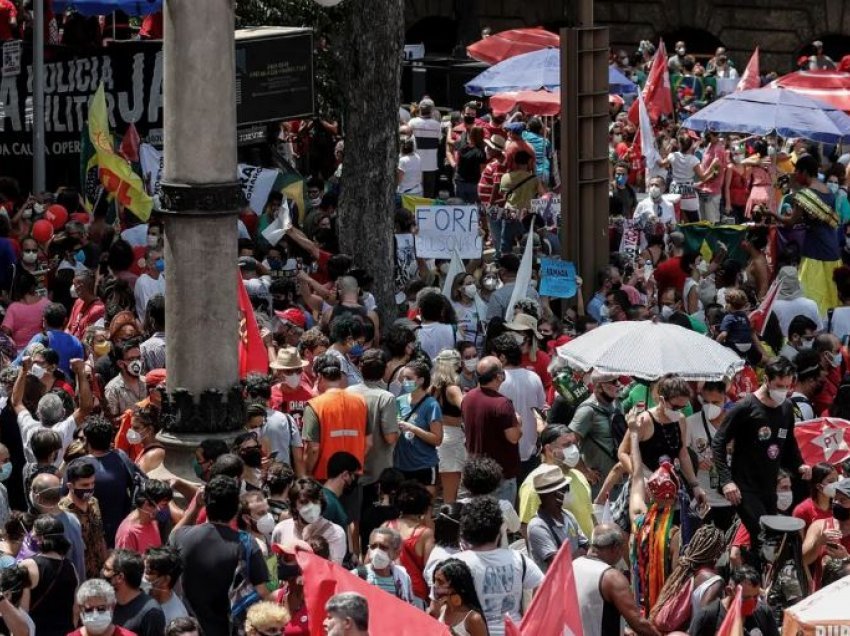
[787,310]
[427,134]
[700,442]
[411,167]
[173,608]
[285,531]
[29,425]
[433,337]
[682,166]
[525,390]
[840,322]
[146,288]
[137,236]
[499,582]
[666,214]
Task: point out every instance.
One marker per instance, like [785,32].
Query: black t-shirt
[210,554]
[469,162]
[142,615]
[113,487]
[764,441]
[708,620]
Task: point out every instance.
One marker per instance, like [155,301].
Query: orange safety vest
[342,423]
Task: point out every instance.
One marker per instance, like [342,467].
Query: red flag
[657,94]
[750,78]
[253,356]
[387,614]
[733,624]
[554,610]
[758,317]
[130,144]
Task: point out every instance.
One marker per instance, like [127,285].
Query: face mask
[253,457]
[380,559]
[73,292]
[784,500]
[470,290]
[617,139]
[821,176]
[265,524]
[839,512]
[80,256]
[292,381]
[101,348]
[778,395]
[833,187]
[27,214]
[712,411]
[571,456]
[197,468]
[666,312]
[153,240]
[134,368]
[680,52]
[134,437]
[97,622]
[408,386]
[806,343]
[84,493]
[654,192]
[159,265]
[310,512]
[316,202]
[490,283]
[146,586]
[836,359]
[5,471]
[672,414]
[30,257]
[470,364]
[748,606]
[469,119]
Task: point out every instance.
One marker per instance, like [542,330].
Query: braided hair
[705,548]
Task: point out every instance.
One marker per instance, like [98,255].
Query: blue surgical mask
[80,256]
[821,176]
[408,386]
[160,265]
[5,471]
[356,350]
[621,179]
[833,187]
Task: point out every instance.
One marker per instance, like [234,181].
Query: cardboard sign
[557,278]
[548,210]
[443,228]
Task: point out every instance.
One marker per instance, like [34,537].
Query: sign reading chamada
[443,228]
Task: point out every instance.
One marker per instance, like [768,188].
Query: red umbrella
[501,46]
[824,439]
[832,87]
[531,102]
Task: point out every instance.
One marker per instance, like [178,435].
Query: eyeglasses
[96,608]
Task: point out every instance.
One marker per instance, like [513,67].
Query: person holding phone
[829,537]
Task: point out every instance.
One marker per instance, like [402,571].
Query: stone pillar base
[180,451]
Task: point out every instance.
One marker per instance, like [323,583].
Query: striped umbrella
[832,87]
[648,350]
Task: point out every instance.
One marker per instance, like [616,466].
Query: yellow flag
[115,172]
[295,192]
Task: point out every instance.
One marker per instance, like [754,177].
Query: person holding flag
[741,611]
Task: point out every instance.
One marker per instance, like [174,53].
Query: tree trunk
[369,46]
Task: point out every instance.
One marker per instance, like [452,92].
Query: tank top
[412,561]
[666,440]
[52,600]
[445,405]
[459,629]
[598,616]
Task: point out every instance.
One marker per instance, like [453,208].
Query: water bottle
[647,270]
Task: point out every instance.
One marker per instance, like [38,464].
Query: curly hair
[481,475]
[412,498]
[481,522]
[266,616]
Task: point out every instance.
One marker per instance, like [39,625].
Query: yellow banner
[115,172]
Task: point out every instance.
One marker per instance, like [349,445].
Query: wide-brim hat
[524,322]
[496,142]
[288,360]
[550,479]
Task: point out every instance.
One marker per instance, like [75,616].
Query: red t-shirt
[809,512]
[669,273]
[119,631]
[321,273]
[8,12]
[539,366]
[292,401]
[84,316]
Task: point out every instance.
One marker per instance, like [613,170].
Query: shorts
[425,476]
[452,452]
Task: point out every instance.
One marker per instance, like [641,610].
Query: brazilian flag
[703,237]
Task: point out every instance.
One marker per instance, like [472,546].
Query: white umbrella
[824,612]
[648,350]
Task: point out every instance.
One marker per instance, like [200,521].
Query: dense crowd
[447,457]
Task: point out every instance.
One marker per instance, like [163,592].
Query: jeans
[496,235]
[511,231]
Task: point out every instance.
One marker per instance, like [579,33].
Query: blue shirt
[67,346]
[542,151]
[414,454]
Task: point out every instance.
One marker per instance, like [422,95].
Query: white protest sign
[548,210]
[442,229]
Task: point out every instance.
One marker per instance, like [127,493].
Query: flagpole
[39,179]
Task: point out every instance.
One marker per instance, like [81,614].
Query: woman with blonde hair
[266,619]
[445,388]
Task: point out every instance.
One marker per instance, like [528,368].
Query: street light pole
[39,179]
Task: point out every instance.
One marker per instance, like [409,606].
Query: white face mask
[73,292]
[778,395]
[470,291]
[310,512]
[654,192]
[712,411]
[784,500]
[265,524]
[134,437]
[97,622]
[666,312]
[30,257]
[153,240]
[571,456]
[470,364]
[379,558]
[292,381]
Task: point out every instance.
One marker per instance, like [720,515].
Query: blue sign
[557,278]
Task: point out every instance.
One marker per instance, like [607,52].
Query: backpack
[241,593]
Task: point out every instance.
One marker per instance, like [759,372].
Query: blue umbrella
[105,7]
[531,72]
[763,111]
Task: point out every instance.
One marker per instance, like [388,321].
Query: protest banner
[557,278]
[548,210]
[443,228]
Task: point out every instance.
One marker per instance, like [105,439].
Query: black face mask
[253,457]
[469,119]
[287,571]
[840,513]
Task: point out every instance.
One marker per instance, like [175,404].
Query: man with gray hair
[88,309]
[380,569]
[426,132]
[348,615]
[604,594]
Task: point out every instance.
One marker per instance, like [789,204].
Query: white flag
[277,228]
[648,147]
[523,276]
[455,268]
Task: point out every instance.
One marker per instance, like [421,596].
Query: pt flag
[554,610]
[387,614]
[115,172]
[657,94]
[751,77]
[253,356]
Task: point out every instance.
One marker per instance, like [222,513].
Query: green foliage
[323,21]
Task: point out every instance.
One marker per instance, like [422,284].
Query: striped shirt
[427,133]
[492,174]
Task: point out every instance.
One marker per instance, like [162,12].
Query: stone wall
[782,28]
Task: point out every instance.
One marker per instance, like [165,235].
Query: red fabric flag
[751,77]
[733,624]
[657,94]
[130,144]
[554,610]
[253,356]
[387,614]
[758,317]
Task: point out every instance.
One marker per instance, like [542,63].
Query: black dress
[666,441]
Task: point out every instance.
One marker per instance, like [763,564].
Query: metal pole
[39,178]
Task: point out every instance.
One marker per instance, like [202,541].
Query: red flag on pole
[253,356]
[130,144]
[733,624]
[554,611]
[387,614]
[657,94]
[751,77]
[758,317]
